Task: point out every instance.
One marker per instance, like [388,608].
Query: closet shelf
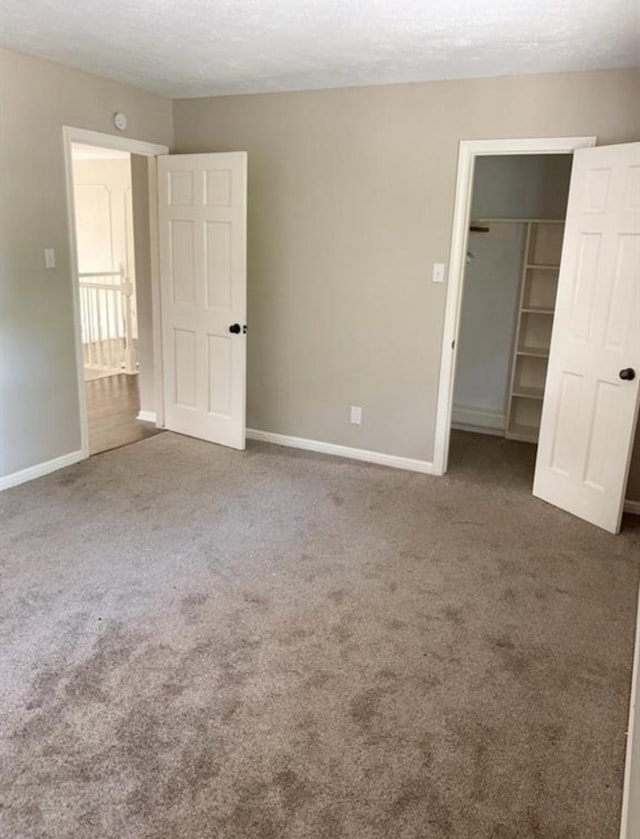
[536,310]
[528,392]
[538,285]
[523,433]
[538,352]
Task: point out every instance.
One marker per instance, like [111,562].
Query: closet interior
[513,258]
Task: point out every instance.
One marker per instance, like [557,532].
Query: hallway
[112,408]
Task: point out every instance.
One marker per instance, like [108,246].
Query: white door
[593,382]
[202,220]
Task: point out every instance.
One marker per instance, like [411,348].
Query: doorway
[106,259]
[512,263]
[470,152]
[110,185]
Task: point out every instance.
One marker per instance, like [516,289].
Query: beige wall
[39,407]
[350,202]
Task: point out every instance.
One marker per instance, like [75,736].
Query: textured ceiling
[208,47]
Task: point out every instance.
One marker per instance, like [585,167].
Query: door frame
[72,135]
[468,151]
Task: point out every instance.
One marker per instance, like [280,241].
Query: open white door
[593,381]
[202,220]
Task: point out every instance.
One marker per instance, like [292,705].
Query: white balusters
[107,322]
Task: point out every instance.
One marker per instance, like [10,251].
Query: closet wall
[521,186]
[506,189]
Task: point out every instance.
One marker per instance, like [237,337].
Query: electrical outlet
[356,415]
[49,258]
[438,272]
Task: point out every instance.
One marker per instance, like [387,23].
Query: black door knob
[235,328]
[628,374]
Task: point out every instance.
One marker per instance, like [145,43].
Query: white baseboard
[381,459]
[470,416]
[39,470]
[632,507]
[630,820]
[148,416]
[478,429]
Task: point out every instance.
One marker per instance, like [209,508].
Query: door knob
[628,374]
[235,329]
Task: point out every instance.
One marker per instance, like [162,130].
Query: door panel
[590,412]
[202,231]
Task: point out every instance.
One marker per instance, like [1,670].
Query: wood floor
[112,406]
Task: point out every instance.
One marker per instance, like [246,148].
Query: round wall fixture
[120,121]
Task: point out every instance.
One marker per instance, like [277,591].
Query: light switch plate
[49,258]
[438,272]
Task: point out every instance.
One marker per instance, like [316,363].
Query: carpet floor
[199,643]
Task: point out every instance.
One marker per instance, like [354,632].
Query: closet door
[593,382]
